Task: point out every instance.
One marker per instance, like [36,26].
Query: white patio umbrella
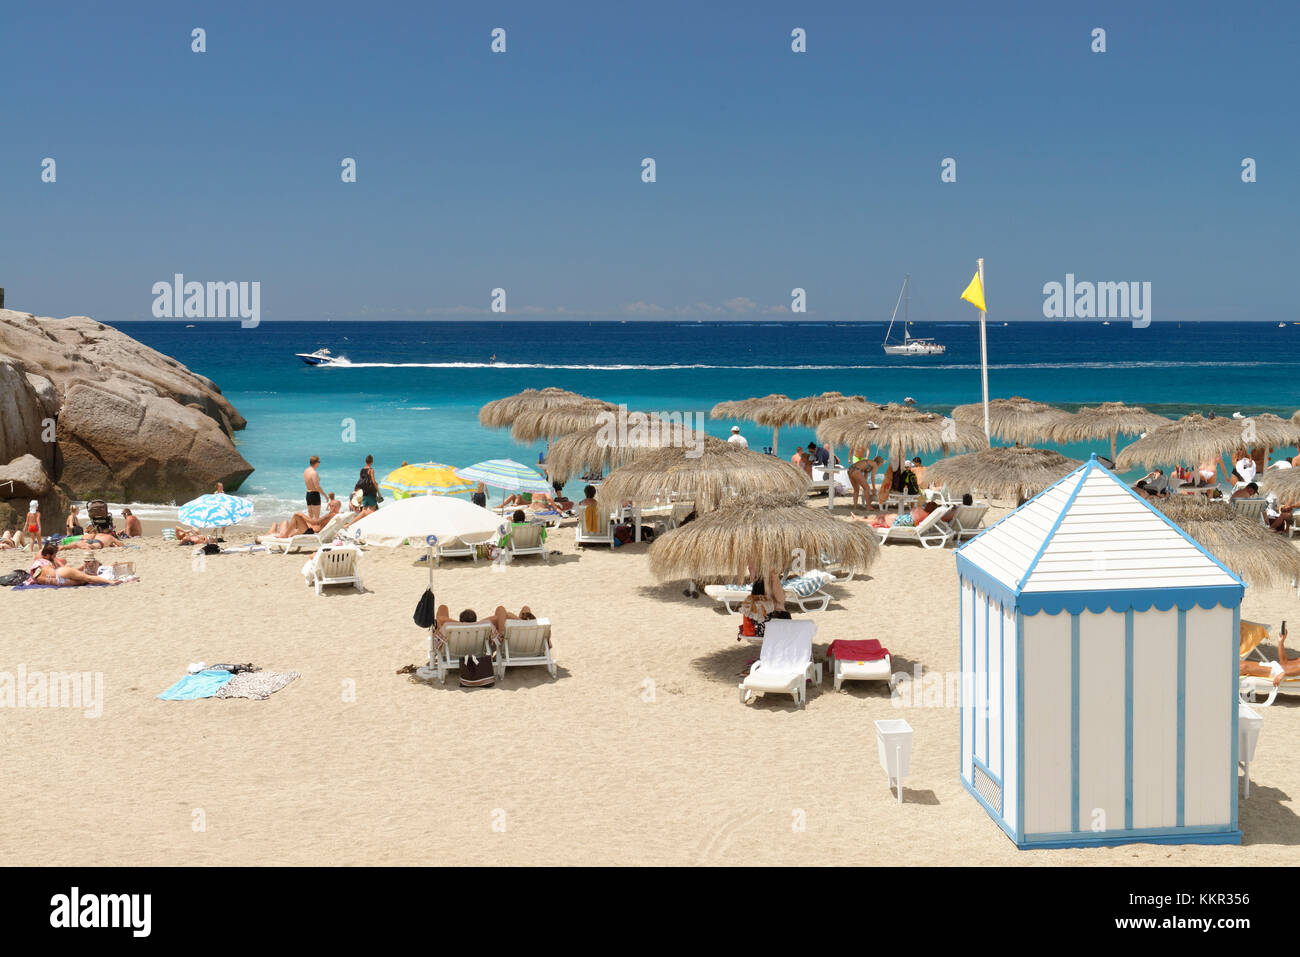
[428,520]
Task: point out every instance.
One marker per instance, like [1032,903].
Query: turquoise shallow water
[413,390]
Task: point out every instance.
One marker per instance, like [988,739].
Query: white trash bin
[894,739]
[1248,724]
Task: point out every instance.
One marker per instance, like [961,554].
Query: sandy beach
[639,753]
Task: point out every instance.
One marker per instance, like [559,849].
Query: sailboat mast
[907,303]
[895,312]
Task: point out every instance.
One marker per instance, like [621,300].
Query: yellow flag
[974,293]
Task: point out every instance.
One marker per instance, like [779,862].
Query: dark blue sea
[413,389]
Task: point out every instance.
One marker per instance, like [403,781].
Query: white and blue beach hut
[1104,642]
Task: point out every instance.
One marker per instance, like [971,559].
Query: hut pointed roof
[1091,533]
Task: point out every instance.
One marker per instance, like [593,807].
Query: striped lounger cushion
[808,584]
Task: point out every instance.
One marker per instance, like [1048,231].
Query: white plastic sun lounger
[604,536]
[785,664]
[526,540]
[729,595]
[931,533]
[333,565]
[1251,508]
[808,590]
[967,521]
[846,669]
[462,640]
[306,540]
[454,548]
[526,643]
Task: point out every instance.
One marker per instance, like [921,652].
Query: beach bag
[476,672]
[426,610]
[17,577]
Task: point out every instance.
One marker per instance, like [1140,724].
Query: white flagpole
[984,356]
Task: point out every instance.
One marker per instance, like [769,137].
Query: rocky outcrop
[104,416]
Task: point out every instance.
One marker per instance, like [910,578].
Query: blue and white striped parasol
[506,474]
[217,510]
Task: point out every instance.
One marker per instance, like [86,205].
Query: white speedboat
[909,346]
[318,358]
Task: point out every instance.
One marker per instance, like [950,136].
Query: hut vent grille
[989,789]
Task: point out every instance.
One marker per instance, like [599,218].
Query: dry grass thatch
[1191,440]
[719,473]
[1284,483]
[1109,420]
[1005,472]
[772,411]
[556,420]
[812,409]
[760,535]
[1260,557]
[600,448]
[1016,419]
[897,434]
[500,413]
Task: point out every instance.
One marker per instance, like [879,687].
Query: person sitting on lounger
[498,618]
[1249,490]
[1282,520]
[1276,671]
[300,523]
[49,569]
[1157,482]
[517,520]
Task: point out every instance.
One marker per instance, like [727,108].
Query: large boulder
[132,423]
[25,479]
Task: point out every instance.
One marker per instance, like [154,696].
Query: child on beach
[33,524]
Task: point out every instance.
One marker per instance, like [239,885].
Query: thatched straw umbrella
[900,434]
[499,413]
[1109,420]
[1259,556]
[1004,472]
[709,475]
[813,409]
[600,447]
[772,411]
[1191,440]
[1284,483]
[1016,419]
[556,420]
[763,534]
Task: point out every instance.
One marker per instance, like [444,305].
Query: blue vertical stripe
[1128,719]
[1074,722]
[1182,714]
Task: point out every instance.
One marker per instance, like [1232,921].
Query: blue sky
[522,170]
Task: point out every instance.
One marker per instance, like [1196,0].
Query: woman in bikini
[47,570]
[301,523]
[1276,671]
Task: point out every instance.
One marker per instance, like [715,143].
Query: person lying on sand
[188,536]
[300,523]
[1277,671]
[49,569]
[93,541]
[10,539]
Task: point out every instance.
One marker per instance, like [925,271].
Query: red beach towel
[868,650]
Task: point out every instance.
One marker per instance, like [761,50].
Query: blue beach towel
[202,685]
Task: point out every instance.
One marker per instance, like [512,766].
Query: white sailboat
[909,346]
